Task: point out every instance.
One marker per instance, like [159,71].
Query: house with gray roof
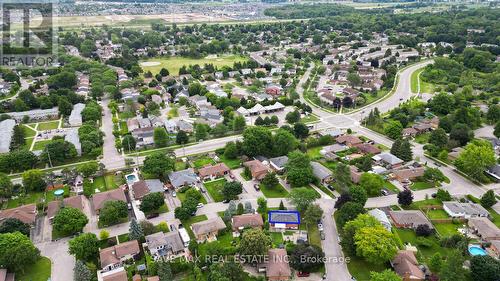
[332,132]
[75,118]
[185,126]
[36,114]
[381,217]
[409,219]
[278,163]
[283,220]
[165,245]
[464,210]
[73,137]
[6,130]
[182,178]
[321,172]
[388,160]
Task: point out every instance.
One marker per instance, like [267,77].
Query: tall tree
[12,225]
[254,242]
[484,268]
[386,275]
[405,197]
[81,272]
[158,164]
[84,247]
[18,137]
[135,231]
[312,214]
[181,137]
[488,199]
[302,197]
[358,194]
[350,229]
[160,137]
[17,252]
[33,180]
[348,212]
[69,220]
[342,175]
[152,202]
[284,142]
[298,169]
[476,158]
[164,271]
[372,183]
[376,244]
[453,269]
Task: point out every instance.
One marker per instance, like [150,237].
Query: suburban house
[73,202]
[484,228]
[349,140]
[207,230]
[331,132]
[211,172]
[334,148]
[409,219]
[367,148]
[7,131]
[246,220]
[165,244]
[388,160]
[257,169]
[409,132]
[321,172]
[355,174]
[115,275]
[280,220]
[494,172]
[113,257]
[406,265]
[5,276]
[182,178]
[464,210]
[24,213]
[277,267]
[408,174]
[381,217]
[100,198]
[143,187]
[278,163]
[143,136]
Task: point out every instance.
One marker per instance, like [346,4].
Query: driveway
[62,262]
[111,158]
[249,191]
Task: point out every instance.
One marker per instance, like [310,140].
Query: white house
[464,210]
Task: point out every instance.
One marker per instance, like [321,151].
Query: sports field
[173,64]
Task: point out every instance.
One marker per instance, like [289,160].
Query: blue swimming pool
[477,251]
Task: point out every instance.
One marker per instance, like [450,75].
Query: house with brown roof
[408,174]
[409,132]
[144,187]
[73,202]
[113,257]
[118,275]
[484,228]
[406,265]
[246,220]
[207,230]
[277,267]
[100,198]
[367,148]
[5,276]
[349,140]
[213,171]
[257,169]
[409,219]
[24,213]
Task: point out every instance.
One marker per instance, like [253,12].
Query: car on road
[303,274]
[330,187]
[129,206]
[320,226]
[231,176]
[225,201]
[202,190]
[437,164]
[322,235]
[174,194]
[256,186]
[200,205]
[152,215]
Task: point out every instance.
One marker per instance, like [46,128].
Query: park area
[173,64]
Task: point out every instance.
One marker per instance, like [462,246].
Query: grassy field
[48,125]
[40,145]
[313,153]
[203,161]
[230,163]
[360,269]
[437,214]
[28,131]
[276,238]
[409,236]
[40,271]
[447,229]
[419,185]
[173,64]
[277,191]
[215,188]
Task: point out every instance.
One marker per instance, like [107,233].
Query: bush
[424,242]
[423,230]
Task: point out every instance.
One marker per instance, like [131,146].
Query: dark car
[256,186]
[303,274]
[152,215]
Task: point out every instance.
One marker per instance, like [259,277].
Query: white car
[320,227]
[174,194]
[200,205]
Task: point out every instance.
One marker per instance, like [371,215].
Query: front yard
[40,271]
[202,161]
[215,189]
[419,185]
[277,191]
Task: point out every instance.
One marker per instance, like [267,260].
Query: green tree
[160,137]
[484,268]
[298,169]
[496,130]
[12,225]
[284,142]
[386,275]
[69,220]
[135,231]
[33,180]
[181,137]
[270,180]
[158,164]
[350,229]
[5,185]
[112,212]
[372,183]
[84,247]
[231,190]
[312,214]
[17,252]
[262,205]
[493,114]
[307,258]
[302,197]
[436,262]
[88,169]
[452,269]
[348,212]
[476,158]
[254,242]
[292,117]
[461,133]
[257,141]
[358,194]
[439,138]
[200,132]
[405,197]
[443,195]
[300,130]
[231,151]
[342,175]
[164,271]
[239,123]
[81,272]
[488,199]
[393,129]
[152,202]
[128,143]
[18,138]
[375,244]
[65,107]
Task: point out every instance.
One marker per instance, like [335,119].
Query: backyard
[230,163]
[202,161]
[215,188]
[173,64]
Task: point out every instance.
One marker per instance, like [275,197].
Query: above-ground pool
[477,251]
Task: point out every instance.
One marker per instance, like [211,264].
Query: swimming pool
[477,251]
[131,178]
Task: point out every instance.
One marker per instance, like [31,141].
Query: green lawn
[100,183]
[314,237]
[418,204]
[28,142]
[414,80]
[419,185]
[360,269]
[388,185]
[182,196]
[326,190]
[226,239]
[111,181]
[48,125]
[310,118]
[33,197]
[230,163]
[409,236]
[187,223]
[202,161]
[277,191]
[495,216]
[173,112]
[173,64]
[40,271]
[28,132]
[313,153]
[215,188]
[40,145]
[276,238]
[447,229]
[179,166]
[423,138]
[437,214]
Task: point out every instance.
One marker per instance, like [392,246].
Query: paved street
[112,159]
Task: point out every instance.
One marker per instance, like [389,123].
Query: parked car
[231,176]
[174,194]
[330,187]
[437,164]
[129,206]
[153,215]
[320,227]
[256,186]
[384,192]
[202,190]
[303,274]
[225,201]
[322,235]
[200,205]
